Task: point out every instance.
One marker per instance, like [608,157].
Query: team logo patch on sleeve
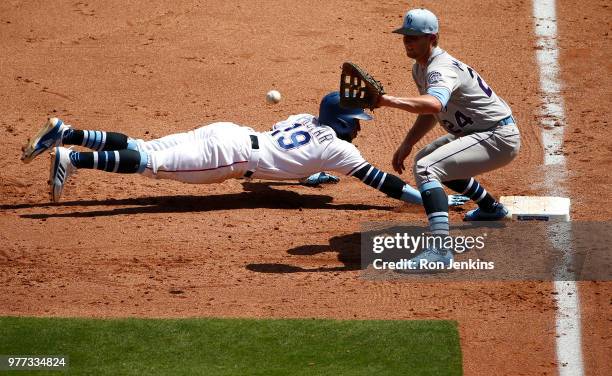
[434,77]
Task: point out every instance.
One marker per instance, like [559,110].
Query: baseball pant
[210,154]
[451,157]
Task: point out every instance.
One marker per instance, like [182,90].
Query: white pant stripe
[85,138]
[435,214]
[95,158]
[103,142]
[469,186]
[116,161]
[484,193]
[382,180]
[367,173]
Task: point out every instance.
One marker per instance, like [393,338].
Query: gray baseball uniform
[483,135]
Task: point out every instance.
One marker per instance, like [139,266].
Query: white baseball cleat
[61,168]
[48,136]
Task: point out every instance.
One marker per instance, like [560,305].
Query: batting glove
[457,200]
[318,179]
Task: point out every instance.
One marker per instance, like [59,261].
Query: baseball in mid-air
[273,97]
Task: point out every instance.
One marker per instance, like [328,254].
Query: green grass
[236,346]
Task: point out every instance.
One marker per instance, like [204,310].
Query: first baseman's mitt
[358,89]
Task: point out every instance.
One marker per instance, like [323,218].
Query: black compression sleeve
[389,184]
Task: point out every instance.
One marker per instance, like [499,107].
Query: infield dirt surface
[128,246]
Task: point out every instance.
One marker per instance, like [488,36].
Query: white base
[536,208]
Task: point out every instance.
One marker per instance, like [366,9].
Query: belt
[254,161]
[506,121]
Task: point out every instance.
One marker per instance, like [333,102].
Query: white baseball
[273,97]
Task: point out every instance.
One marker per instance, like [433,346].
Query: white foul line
[569,338]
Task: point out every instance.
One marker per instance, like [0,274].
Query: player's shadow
[348,248]
[256,196]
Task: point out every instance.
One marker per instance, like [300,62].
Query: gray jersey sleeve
[442,77]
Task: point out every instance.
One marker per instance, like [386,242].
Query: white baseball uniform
[295,148]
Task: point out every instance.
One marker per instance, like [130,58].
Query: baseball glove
[358,89]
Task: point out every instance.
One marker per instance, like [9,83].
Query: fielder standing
[483,135]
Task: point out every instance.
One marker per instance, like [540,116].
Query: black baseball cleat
[499,213]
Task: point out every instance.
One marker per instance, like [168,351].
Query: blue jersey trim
[442,93]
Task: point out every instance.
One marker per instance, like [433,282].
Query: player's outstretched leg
[489,209]
[65,161]
[57,133]
[96,140]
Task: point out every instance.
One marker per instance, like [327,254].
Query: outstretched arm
[395,187]
[344,158]
[422,104]
[422,125]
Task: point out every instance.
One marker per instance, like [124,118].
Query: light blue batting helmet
[341,120]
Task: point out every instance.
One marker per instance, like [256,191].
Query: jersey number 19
[291,138]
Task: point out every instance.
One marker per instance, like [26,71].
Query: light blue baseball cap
[419,22]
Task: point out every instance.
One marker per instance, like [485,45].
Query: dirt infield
[128,246]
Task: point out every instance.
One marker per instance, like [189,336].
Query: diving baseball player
[482,134]
[295,148]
